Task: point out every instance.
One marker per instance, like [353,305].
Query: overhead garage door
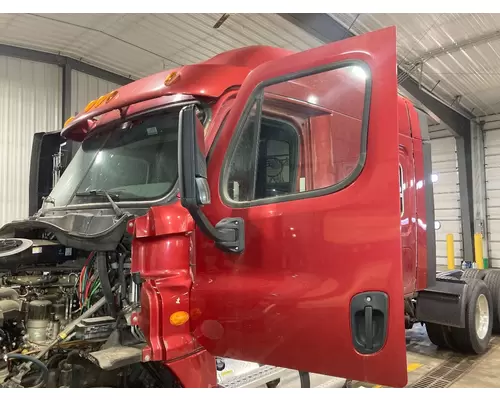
[492,174]
[446,198]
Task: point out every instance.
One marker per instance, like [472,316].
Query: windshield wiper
[102,192]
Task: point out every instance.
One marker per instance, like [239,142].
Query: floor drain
[445,374]
[451,370]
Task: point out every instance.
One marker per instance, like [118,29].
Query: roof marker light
[89,106]
[68,121]
[171,78]
[111,96]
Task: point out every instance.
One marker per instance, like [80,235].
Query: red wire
[82,273]
[89,284]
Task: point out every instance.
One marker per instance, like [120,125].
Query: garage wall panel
[85,88]
[30,101]
[446,194]
[492,177]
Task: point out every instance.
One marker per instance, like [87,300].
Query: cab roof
[210,78]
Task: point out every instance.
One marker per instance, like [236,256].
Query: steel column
[66,92]
[464,157]
[71,146]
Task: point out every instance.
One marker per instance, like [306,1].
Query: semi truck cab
[275,207]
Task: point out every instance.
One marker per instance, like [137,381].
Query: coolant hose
[43,369]
[102,270]
[121,272]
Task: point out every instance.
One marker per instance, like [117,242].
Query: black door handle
[369,313]
[369,327]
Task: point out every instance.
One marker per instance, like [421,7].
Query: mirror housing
[229,233]
[193,183]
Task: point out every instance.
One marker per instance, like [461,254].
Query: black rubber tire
[439,335]
[436,334]
[465,339]
[492,280]
[473,273]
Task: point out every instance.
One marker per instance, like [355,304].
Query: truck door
[318,286]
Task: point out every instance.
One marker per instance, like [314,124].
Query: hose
[102,270]
[63,335]
[69,328]
[121,271]
[43,369]
[54,360]
[305,379]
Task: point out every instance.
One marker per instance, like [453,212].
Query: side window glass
[301,135]
[242,167]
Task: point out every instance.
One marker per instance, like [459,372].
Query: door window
[302,135]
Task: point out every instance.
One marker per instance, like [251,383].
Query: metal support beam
[457,124]
[49,58]
[321,26]
[455,47]
[464,157]
[327,29]
[71,146]
[66,92]
[479,190]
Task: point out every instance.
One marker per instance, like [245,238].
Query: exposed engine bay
[65,318]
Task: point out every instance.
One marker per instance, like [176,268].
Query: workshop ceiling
[460,53]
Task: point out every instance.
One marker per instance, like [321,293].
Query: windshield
[134,162]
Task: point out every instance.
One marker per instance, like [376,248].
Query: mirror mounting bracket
[228,234]
[233,230]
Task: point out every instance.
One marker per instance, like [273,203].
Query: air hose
[43,369]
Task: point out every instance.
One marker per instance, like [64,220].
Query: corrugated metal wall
[446,194]
[85,88]
[492,176]
[30,101]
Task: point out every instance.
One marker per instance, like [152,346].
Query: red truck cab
[278,208]
[299,230]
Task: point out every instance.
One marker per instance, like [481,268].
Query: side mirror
[229,233]
[193,183]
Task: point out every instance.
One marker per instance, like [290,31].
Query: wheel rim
[482,317]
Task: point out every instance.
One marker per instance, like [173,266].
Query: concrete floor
[427,367]
[430,367]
